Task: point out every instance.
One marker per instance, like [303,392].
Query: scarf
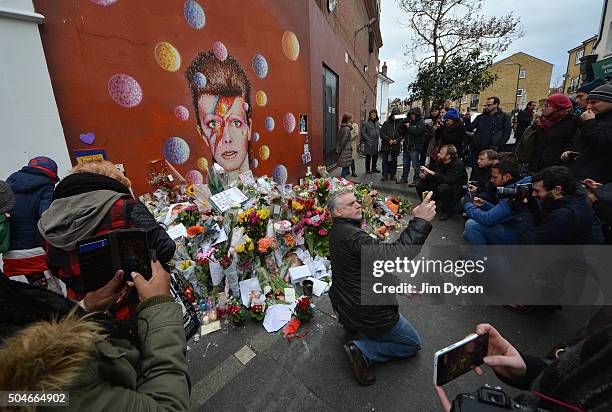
[546,122]
[79,183]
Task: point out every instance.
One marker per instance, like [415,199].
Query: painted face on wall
[226,129]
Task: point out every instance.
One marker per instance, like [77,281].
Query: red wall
[87,43]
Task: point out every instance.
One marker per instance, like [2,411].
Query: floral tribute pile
[239,243]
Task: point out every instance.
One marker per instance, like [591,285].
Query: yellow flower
[240,248]
[251,247]
[297,205]
[185,264]
[190,190]
[247,239]
[263,214]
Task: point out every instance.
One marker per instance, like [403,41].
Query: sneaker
[354,174]
[375,170]
[384,177]
[362,372]
[413,184]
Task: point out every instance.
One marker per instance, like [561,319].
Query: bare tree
[443,29]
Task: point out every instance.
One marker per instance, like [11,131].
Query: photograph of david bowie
[426,289]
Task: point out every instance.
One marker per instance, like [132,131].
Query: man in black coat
[593,148]
[523,121]
[414,139]
[492,128]
[448,181]
[391,144]
[386,333]
[566,218]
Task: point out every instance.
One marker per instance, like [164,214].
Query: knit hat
[560,101]
[602,93]
[45,164]
[590,86]
[435,106]
[7,198]
[451,114]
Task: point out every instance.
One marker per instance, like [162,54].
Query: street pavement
[247,369]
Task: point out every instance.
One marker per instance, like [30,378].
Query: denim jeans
[389,162]
[479,234]
[345,171]
[371,159]
[401,341]
[412,156]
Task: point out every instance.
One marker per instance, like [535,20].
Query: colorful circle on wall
[220,51]
[125,90]
[264,152]
[269,123]
[181,113]
[254,164]
[291,45]
[167,57]
[279,174]
[176,150]
[289,122]
[194,177]
[261,98]
[260,66]
[194,14]
[203,163]
[255,137]
[104,2]
[200,80]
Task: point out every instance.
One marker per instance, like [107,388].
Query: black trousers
[449,196]
[373,159]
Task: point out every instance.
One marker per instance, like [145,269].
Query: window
[519,92]
[522,74]
[573,84]
[579,55]
[464,100]
[475,100]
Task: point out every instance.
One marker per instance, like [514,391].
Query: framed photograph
[303,123]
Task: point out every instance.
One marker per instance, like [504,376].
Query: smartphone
[429,122]
[573,155]
[424,195]
[459,358]
[134,253]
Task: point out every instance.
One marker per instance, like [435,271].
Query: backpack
[526,147]
[5,233]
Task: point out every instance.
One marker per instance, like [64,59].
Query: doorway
[330,117]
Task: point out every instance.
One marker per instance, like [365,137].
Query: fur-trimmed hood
[48,356]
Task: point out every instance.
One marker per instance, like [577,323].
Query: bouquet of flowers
[254,221]
[322,188]
[189,216]
[303,310]
[315,227]
[237,313]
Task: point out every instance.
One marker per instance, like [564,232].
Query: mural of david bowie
[222,104]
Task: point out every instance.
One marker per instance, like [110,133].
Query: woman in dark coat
[557,130]
[344,150]
[370,136]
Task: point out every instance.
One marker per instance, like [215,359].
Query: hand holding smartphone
[459,358]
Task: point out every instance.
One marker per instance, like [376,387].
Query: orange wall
[86,43]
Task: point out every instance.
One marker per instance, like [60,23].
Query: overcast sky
[551,28]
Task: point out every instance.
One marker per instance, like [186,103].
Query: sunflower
[191,190]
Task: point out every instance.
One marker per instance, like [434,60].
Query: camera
[520,192]
[487,398]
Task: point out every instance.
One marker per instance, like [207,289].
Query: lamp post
[518,79]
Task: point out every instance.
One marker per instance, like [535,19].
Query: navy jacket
[33,190]
[568,222]
[493,131]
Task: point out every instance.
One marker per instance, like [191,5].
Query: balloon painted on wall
[260,66]
[291,46]
[176,150]
[279,174]
[104,2]
[125,90]
[254,163]
[261,98]
[167,56]
[203,163]
[289,122]
[264,152]
[200,80]
[181,113]
[194,177]
[194,14]
[220,51]
[269,123]
[255,137]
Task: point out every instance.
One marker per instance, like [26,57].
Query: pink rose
[322,232]
[308,214]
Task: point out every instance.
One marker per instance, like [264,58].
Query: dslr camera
[488,399]
[520,192]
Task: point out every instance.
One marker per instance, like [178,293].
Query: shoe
[384,177]
[368,172]
[375,170]
[392,177]
[354,174]
[401,181]
[362,372]
[413,184]
[443,216]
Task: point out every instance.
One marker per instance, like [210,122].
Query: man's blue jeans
[479,234]
[345,171]
[413,156]
[389,162]
[401,341]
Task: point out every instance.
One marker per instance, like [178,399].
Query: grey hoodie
[74,218]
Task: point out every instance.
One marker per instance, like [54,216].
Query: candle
[205,319]
[213,315]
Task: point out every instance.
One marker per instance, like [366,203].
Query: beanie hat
[560,101]
[451,114]
[590,86]
[602,93]
[45,164]
[7,198]
[435,106]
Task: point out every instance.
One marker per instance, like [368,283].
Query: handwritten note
[226,199]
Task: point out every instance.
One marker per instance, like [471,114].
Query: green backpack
[5,233]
